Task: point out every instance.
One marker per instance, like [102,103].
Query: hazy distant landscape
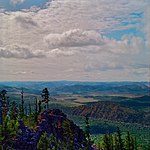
[108,104]
[70,93]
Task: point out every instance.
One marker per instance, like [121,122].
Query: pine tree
[53,142]
[40,108]
[45,95]
[129,142]
[135,143]
[4,103]
[87,131]
[116,142]
[108,142]
[120,142]
[1,138]
[22,103]
[14,111]
[69,134]
[36,109]
[30,110]
[44,142]
[111,142]
[9,131]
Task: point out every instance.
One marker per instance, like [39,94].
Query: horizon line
[72,81]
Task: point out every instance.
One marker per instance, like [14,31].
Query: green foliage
[10,128]
[69,134]
[44,142]
[8,131]
[1,137]
[87,131]
[13,111]
[116,142]
[108,142]
[129,142]
[54,142]
[30,121]
[120,142]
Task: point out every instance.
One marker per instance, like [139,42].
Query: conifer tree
[45,95]
[14,111]
[108,142]
[36,109]
[30,110]
[111,141]
[135,143]
[129,142]
[53,142]
[116,142]
[22,103]
[40,108]
[4,99]
[44,142]
[69,134]
[120,142]
[87,131]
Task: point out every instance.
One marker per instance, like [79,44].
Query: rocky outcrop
[53,122]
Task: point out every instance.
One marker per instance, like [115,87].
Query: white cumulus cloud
[15,51]
[73,38]
[58,52]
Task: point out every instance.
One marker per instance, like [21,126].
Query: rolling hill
[113,112]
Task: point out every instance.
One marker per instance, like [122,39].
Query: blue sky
[75,40]
[17,5]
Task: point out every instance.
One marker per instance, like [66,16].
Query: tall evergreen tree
[87,131]
[30,110]
[36,109]
[4,102]
[45,95]
[129,142]
[14,111]
[39,105]
[22,103]
[116,142]
[69,134]
[44,142]
[108,142]
[120,142]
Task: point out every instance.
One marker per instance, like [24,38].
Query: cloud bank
[20,52]
[96,40]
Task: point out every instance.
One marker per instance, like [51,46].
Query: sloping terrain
[63,133]
[112,111]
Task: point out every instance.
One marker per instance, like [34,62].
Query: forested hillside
[113,111]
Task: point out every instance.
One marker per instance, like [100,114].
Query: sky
[80,40]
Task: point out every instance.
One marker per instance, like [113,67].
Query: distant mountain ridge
[137,88]
[113,112]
